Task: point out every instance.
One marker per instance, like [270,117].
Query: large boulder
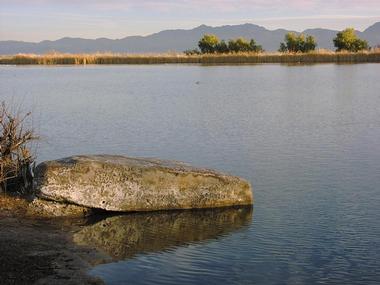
[26,206]
[117,183]
[48,209]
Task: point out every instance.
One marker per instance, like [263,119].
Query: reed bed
[320,56]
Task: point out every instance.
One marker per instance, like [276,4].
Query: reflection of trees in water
[127,235]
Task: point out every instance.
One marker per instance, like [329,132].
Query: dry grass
[320,56]
[15,155]
[12,206]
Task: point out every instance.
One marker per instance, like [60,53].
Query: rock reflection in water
[124,236]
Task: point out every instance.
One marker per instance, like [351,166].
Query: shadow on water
[124,236]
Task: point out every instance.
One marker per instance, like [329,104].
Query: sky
[36,20]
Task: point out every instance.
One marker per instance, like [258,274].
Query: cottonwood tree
[243,45]
[298,43]
[208,43]
[212,44]
[349,41]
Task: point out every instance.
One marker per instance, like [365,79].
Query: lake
[306,137]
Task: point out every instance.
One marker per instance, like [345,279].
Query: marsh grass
[320,56]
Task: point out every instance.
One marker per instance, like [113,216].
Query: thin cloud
[124,17]
[221,5]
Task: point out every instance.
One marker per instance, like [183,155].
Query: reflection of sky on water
[307,137]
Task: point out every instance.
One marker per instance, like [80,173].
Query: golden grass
[15,155]
[320,56]
[12,206]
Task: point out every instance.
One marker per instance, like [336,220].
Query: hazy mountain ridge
[178,40]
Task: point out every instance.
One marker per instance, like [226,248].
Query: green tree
[222,47]
[310,44]
[211,44]
[348,40]
[192,51]
[292,42]
[239,45]
[208,44]
[255,47]
[283,48]
[298,43]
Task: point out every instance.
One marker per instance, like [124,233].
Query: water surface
[307,137]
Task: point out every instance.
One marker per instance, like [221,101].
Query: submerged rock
[117,183]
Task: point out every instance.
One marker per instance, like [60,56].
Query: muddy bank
[41,251]
[35,250]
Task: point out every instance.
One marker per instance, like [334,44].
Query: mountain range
[178,40]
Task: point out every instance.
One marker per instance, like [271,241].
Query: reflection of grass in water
[320,56]
[127,235]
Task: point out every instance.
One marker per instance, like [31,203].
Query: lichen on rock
[48,209]
[118,183]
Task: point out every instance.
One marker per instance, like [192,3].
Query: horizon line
[217,26]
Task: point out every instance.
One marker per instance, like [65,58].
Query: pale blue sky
[35,20]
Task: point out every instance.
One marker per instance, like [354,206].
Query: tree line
[212,44]
[346,40]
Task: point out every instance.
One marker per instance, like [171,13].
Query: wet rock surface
[117,183]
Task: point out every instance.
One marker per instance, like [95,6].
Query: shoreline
[42,251]
[241,58]
[35,250]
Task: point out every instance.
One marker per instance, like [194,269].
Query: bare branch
[14,139]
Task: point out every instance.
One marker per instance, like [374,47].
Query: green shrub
[208,43]
[298,43]
[348,40]
[239,45]
[222,47]
[192,52]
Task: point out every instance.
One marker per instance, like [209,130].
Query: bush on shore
[210,44]
[348,40]
[298,43]
[16,157]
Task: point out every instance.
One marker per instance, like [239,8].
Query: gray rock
[117,183]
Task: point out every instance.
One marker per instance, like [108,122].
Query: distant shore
[172,58]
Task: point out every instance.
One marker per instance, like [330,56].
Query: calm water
[307,137]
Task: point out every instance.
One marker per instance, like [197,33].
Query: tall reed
[321,56]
